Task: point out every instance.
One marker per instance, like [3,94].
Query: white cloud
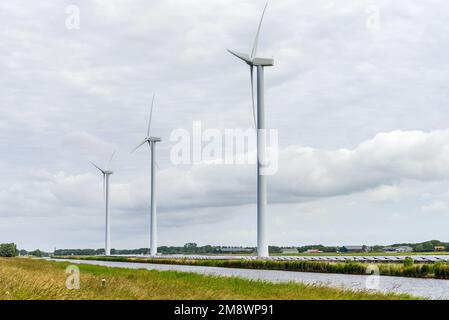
[386,193]
[436,206]
[386,159]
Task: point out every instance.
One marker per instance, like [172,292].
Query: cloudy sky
[358,94]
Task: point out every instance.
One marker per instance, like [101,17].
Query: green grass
[23,278]
[409,269]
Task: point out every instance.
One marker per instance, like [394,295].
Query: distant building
[398,249]
[440,248]
[234,250]
[289,250]
[314,251]
[356,249]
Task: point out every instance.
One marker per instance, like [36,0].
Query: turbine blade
[110,160]
[141,144]
[251,70]
[101,170]
[256,40]
[151,115]
[242,56]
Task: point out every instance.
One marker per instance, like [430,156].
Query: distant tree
[193,248]
[190,247]
[37,253]
[274,249]
[377,248]
[8,250]
[318,247]
[343,249]
[77,252]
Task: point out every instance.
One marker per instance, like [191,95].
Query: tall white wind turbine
[152,143]
[106,173]
[259,122]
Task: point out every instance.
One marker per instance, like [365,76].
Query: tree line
[193,248]
[10,249]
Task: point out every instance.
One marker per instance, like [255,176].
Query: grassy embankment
[422,270]
[22,278]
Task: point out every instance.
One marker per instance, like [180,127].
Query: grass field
[23,278]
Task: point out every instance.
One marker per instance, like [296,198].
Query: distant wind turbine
[106,173]
[259,122]
[152,143]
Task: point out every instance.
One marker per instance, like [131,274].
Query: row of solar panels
[364,258]
[423,258]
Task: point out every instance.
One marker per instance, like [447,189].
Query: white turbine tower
[152,143]
[259,122]
[106,173]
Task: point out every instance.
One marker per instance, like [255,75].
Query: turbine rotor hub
[154,139]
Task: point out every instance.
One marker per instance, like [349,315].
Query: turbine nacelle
[103,171]
[149,140]
[154,139]
[264,62]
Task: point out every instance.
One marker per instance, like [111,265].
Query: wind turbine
[259,122]
[152,143]
[106,173]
